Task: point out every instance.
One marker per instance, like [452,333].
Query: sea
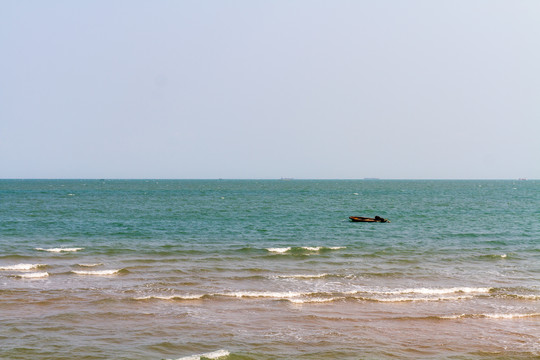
[269,269]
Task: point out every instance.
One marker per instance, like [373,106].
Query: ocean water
[269,269]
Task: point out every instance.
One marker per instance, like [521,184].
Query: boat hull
[367,219]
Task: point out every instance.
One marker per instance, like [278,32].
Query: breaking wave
[210,355]
[35,275]
[22,267]
[439,291]
[303,276]
[90,265]
[97,272]
[60,250]
[170,297]
[491,316]
[298,297]
[303,249]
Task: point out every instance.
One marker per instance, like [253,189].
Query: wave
[97,272]
[303,276]
[313,300]
[523,297]
[303,249]
[239,294]
[211,355]
[22,267]
[320,248]
[368,294]
[170,297]
[34,275]
[59,250]
[439,291]
[419,299]
[516,293]
[492,316]
[90,265]
[406,295]
[492,257]
[421,294]
[261,294]
[279,250]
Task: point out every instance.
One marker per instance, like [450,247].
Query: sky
[252,89]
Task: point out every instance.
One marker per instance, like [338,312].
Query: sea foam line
[211,355]
[313,300]
[262,294]
[90,265]
[319,248]
[170,297]
[22,267]
[35,275]
[59,250]
[419,294]
[96,272]
[238,294]
[491,316]
[435,291]
[279,250]
[308,248]
[415,299]
[311,297]
[301,276]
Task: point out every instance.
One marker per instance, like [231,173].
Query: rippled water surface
[146,269]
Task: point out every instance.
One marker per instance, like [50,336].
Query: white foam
[301,276]
[262,294]
[451,317]
[90,265]
[211,355]
[312,248]
[415,299]
[279,250]
[406,295]
[308,248]
[319,248]
[510,316]
[419,294]
[58,250]
[21,267]
[295,297]
[491,316]
[170,297]
[436,291]
[96,272]
[35,275]
[313,300]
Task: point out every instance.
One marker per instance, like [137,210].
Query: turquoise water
[269,269]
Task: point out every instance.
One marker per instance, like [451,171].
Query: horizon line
[282,179]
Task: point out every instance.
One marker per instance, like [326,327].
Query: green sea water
[269,269]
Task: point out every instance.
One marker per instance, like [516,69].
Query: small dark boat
[367,219]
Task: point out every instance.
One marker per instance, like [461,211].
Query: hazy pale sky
[270,89]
